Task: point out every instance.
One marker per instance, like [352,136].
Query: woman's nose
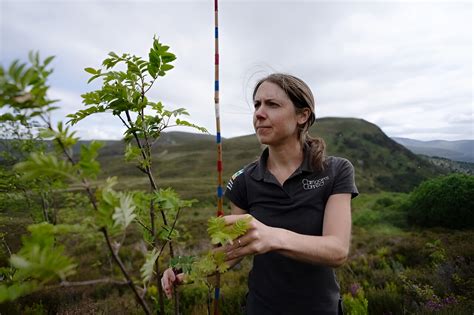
[259,112]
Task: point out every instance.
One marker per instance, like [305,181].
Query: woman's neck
[285,158]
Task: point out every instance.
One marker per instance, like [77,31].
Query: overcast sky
[405,66]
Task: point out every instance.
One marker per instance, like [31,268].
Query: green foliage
[108,201]
[214,261]
[183,263]
[39,261]
[123,213]
[356,304]
[123,92]
[444,201]
[23,89]
[147,268]
[169,200]
[88,164]
[221,233]
[46,164]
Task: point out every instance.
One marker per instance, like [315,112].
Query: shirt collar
[260,171]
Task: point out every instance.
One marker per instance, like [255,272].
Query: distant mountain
[380,162]
[461,150]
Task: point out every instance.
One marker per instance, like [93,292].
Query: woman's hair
[302,97]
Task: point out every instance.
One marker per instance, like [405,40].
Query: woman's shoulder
[336,160]
[337,163]
[244,171]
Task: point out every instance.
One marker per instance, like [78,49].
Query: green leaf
[88,163]
[147,268]
[220,233]
[180,122]
[48,60]
[131,152]
[40,165]
[16,290]
[220,261]
[183,262]
[123,214]
[91,71]
[166,67]
[167,233]
[46,133]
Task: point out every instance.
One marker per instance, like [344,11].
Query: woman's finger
[231,219]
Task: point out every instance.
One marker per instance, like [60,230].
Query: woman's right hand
[169,280]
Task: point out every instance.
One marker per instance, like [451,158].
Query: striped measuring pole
[220,211]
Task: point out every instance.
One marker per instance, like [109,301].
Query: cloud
[406,66]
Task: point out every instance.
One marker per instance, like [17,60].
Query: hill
[461,150]
[187,161]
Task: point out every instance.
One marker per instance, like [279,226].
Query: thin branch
[84,283]
[124,122]
[125,273]
[144,226]
[7,247]
[69,157]
[151,84]
[171,231]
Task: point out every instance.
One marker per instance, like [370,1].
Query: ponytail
[317,147]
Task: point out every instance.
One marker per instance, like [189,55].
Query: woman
[300,203]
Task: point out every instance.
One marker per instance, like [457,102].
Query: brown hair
[302,97]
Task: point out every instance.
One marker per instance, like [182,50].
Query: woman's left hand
[259,239]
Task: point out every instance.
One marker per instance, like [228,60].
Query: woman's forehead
[269,90]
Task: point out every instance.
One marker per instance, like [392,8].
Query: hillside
[187,161]
[461,150]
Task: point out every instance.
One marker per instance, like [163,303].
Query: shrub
[355,302]
[444,201]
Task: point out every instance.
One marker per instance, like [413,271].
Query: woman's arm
[331,249]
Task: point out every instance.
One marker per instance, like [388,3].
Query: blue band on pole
[216,293]
[219,191]
[218,137]
[216,85]
[216,32]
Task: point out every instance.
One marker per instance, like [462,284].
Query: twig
[83,283]
[144,226]
[125,273]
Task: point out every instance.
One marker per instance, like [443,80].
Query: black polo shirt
[279,284]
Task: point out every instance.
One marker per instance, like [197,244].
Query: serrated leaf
[40,165]
[220,233]
[147,268]
[131,152]
[124,213]
[88,163]
[183,262]
[220,261]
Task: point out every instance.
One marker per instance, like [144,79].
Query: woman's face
[275,119]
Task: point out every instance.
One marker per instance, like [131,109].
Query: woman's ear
[303,116]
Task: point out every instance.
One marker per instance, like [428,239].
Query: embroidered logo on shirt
[231,180]
[315,183]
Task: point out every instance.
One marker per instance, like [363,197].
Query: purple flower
[354,289]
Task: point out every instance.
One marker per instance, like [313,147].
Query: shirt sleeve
[344,178]
[236,190]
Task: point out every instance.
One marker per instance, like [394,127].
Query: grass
[388,261]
